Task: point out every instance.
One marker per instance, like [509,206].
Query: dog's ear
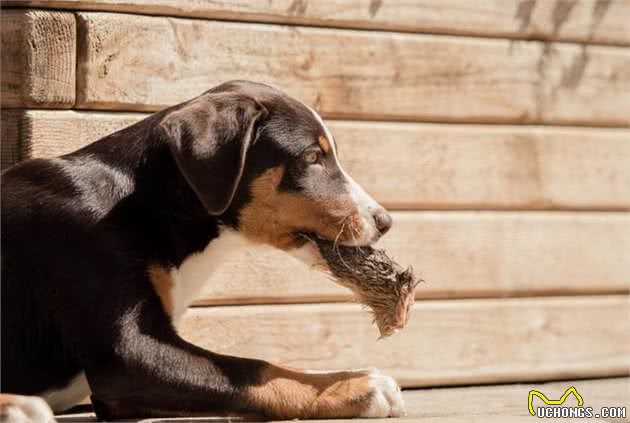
[209,138]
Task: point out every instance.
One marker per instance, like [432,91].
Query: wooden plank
[11,148]
[437,166]
[479,403]
[510,401]
[409,77]
[431,166]
[583,21]
[459,255]
[38,58]
[48,133]
[446,342]
[575,78]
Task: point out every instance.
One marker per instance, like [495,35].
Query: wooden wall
[496,131]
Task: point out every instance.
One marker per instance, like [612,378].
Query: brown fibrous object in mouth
[377,281]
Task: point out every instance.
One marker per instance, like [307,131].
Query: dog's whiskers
[336,243]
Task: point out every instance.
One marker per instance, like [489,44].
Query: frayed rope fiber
[378,282]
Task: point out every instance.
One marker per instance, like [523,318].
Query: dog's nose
[383,221]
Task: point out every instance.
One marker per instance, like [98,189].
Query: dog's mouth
[301,237]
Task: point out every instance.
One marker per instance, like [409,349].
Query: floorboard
[492,403]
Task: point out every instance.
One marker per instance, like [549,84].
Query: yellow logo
[547,401]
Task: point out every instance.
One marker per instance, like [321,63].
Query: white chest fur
[187,282]
[195,271]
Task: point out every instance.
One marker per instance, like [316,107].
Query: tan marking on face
[324,144]
[273,216]
[163,285]
[287,393]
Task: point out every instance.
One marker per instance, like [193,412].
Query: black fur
[79,231]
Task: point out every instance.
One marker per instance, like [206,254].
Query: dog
[104,248]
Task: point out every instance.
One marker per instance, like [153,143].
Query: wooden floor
[493,403]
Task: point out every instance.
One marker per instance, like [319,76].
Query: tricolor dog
[104,248]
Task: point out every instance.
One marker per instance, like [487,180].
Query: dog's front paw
[290,394]
[24,409]
[385,397]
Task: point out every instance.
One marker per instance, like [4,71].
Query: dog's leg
[317,394]
[153,372]
[248,387]
[24,409]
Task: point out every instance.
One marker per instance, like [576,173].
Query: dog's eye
[312,157]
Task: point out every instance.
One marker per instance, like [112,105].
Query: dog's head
[267,164]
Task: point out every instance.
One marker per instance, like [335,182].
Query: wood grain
[431,166]
[38,59]
[351,74]
[11,148]
[506,401]
[584,82]
[583,21]
[478,404]
[445,342]
[48,133]
[435,166]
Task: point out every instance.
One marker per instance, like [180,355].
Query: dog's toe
[386,399]
[26,409]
